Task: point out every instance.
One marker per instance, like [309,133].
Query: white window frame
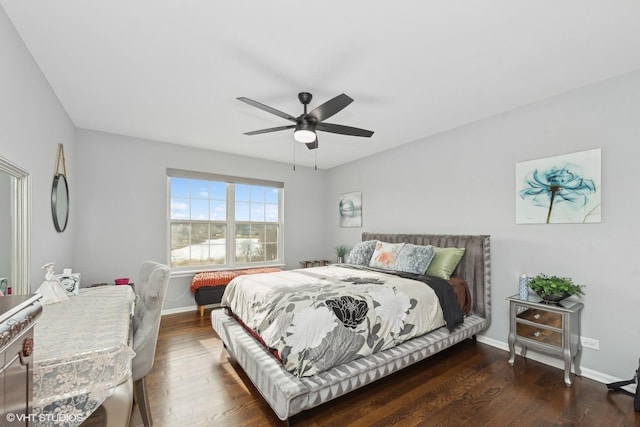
[231,181]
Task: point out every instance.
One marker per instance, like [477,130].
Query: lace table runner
[81,354]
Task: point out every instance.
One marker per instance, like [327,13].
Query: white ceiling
[171,70]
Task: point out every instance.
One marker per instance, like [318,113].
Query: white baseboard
[179,310]
[551,361]
[186,309]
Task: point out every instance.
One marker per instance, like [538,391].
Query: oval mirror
[60,202]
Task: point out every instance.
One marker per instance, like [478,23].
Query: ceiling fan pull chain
[294,155]
[315,166]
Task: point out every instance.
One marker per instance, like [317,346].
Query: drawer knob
[536,316]
[27,347]
[536,334]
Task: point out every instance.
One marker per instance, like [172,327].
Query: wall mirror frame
[60,194]
[60,202]
[20,226]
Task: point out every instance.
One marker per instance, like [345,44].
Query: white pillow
[385,254]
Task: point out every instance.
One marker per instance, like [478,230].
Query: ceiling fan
[306,124]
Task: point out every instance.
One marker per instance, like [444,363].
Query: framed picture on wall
[350,209]
[560,189]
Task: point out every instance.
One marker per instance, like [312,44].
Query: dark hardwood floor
[194,383]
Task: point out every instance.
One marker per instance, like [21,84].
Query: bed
[289,392]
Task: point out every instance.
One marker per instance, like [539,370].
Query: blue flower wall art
[560,189]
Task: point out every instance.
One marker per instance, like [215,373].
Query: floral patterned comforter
[321,317]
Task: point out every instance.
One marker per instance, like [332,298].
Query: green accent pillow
[444,262]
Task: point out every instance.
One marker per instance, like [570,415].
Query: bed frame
[289,395]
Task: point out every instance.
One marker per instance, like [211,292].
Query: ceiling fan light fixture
[304,136]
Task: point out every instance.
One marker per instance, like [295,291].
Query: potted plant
[554,288]
[341,252]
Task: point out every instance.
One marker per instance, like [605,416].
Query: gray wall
[123,192]
[32,123]
[462,181]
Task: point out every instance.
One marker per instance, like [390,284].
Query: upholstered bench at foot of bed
[208,295]
[208,286]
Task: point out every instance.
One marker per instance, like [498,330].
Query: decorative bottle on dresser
[524,287]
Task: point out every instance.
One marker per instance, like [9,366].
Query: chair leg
[140,393]
[118,406]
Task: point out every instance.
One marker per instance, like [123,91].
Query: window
[223,221]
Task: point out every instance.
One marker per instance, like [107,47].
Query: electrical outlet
[590,343]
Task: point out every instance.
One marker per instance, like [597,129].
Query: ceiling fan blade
[257,132]
[331,107]
[267,108]
[343,130]
[312,145]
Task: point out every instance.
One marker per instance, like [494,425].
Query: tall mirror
[15,227]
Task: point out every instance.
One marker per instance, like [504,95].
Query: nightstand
[314,263]
[549,328]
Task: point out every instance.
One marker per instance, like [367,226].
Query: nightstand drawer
[539,334]
[542,317]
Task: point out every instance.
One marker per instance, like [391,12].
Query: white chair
[150,289]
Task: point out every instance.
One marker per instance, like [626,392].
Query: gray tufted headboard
[475,266]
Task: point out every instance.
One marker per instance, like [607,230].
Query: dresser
[18,316]
[548,328]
